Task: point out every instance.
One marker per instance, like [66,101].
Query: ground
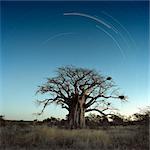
[41,137]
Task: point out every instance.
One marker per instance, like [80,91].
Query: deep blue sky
[37,38]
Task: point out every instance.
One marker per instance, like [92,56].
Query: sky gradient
[38,37]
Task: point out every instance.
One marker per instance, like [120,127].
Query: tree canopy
[80,90]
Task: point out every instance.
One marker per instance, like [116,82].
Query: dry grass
[45,138]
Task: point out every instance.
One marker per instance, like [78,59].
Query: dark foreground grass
[16,137]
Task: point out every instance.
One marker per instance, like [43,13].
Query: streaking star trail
[88,16]
[106,25]
[122,26]
[56,36]
[118,45]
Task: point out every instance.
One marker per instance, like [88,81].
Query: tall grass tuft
[46,138]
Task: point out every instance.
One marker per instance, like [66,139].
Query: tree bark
[77,114]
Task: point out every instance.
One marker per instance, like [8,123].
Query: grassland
[29,137]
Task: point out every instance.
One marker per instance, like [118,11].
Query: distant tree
[143,116]
[2,120]
[79,91]
[145,110]
[2,117]
[94,121]
[117,119]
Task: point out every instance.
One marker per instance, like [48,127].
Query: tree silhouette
[143,116]
[117,119]
[80,90]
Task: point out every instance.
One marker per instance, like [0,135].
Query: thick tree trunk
[77,114]
[82,118]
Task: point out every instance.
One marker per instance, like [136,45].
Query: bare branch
[77,85]
[101,112]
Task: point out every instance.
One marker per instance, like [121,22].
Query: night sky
[39,37]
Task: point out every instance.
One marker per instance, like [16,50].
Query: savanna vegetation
[79,91]
[52,134]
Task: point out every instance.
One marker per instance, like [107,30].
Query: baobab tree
[79,90]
